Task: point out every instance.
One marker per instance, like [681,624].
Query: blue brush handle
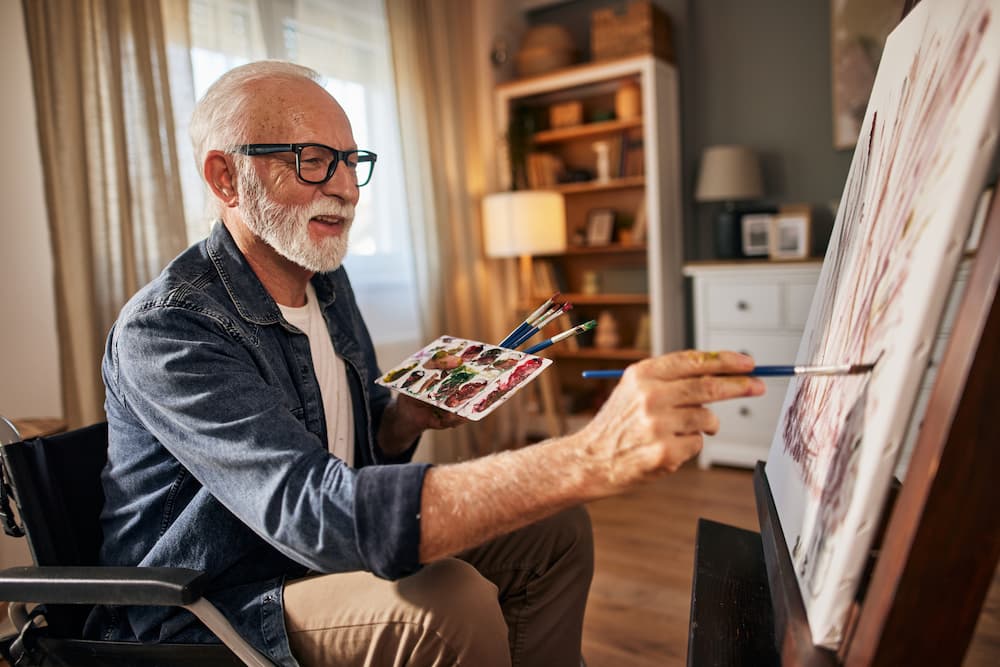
[594,375]
[539,347]
[523,338]
[772,371]
[514,335]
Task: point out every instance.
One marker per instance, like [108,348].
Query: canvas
[927,139]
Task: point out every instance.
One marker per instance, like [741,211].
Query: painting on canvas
[927,139]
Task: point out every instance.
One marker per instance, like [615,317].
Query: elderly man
[248,439]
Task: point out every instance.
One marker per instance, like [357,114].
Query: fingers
[689,421]
[685,448]
[694,377]
[656,417]
[694,363]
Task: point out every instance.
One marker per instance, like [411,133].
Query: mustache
[336,209]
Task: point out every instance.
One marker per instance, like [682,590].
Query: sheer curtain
[103,81]
[445,89]
[346,42]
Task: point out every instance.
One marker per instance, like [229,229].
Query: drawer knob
[742,305]
[744,411]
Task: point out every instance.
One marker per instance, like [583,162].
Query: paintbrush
[835,369]
[769,371]
[555,312]
[575,331]
[526,324]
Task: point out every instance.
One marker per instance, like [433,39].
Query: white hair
[221,117]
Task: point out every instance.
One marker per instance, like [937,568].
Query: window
[347,42]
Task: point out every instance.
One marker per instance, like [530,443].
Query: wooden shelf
[581,299]
[610,249]
[594,186]
[617,354]
[585,130]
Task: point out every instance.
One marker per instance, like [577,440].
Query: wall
[754,73]
[28,352]
[760,76]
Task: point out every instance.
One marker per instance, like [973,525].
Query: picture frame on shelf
[790,236]
[756,234]
[600,226]
[858,30]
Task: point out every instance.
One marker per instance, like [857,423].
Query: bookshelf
[635,280]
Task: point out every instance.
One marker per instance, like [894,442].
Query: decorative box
[566,114]
[641,28]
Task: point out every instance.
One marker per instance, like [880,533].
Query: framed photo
[600,226]
[790,238]
[858,29]
[756,228]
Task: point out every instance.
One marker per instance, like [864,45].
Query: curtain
[104,93]
[446,128]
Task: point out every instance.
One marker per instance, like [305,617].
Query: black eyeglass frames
[316,163]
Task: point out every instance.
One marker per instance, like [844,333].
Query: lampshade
[728,173]
[524,222]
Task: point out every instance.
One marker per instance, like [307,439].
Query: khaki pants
[518,600]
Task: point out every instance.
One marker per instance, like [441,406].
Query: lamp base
[727,234]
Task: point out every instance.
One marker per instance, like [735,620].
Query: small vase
[628,103]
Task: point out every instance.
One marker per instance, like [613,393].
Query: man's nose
[342,184]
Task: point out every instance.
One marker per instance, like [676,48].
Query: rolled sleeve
[387,518]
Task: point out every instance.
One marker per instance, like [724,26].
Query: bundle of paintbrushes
[470,378]
[536,321]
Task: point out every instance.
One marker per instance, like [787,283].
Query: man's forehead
[281,109]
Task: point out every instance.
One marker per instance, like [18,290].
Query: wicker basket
[640,28]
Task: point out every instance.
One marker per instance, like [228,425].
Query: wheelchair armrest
[161,586]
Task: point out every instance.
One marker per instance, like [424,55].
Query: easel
[941,542]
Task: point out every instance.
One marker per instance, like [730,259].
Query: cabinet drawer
[752,419]
[756,306]
[798,300]
[764,348]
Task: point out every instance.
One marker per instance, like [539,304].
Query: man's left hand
[425,416]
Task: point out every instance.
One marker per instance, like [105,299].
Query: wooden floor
[640,600]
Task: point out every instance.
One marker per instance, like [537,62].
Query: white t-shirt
[331,373]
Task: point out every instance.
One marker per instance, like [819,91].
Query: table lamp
[728,174]
[523,223]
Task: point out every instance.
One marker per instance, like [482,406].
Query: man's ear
[220,175]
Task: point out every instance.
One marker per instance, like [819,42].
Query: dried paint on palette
[466,377]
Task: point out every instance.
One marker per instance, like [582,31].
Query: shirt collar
[253,302]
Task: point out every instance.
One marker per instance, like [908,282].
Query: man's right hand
[655,419]
[652,423]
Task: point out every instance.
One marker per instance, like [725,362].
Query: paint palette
[465,377]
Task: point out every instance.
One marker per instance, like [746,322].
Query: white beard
[286,228]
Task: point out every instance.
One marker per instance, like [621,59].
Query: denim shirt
[217,453]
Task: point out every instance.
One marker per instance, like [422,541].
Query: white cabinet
[759,308]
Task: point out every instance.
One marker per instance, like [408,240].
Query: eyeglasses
[316,163]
